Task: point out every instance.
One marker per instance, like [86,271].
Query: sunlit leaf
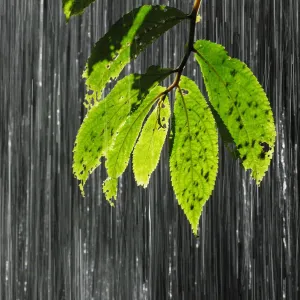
[241,103]
[147,151]
[194,156]
[102,122]
[125,40]
[110,189]
[118,155]
[75,7]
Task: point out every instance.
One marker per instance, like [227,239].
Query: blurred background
[56,245]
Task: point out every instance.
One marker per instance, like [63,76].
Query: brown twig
[190,48]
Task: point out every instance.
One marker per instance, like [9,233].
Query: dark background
[57,245]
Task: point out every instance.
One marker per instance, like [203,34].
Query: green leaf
[242,104]
[194,156]
[125,40]
[147,151]
[118,155]
[102,122]
[110,188]
[75,7]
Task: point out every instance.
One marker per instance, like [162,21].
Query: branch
[190,48]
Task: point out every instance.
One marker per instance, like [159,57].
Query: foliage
[75,7]
[136,114]
[194,156]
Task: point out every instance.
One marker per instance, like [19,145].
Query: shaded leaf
[194,156]
[125,40]
[241,102]
[75,7]
[225,134]
[147,151]
[102,122]
[118,155]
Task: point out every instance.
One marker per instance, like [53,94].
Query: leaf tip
[195,228]
[81,187]
[110,189]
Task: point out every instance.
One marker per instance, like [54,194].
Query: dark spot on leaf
[206,175]
[253,143]
[188,159]
[265,146]
[230,111]
[197,133]
[84,167]
[239,146]
[184,91]
[262,155]
[201,171]
[255,116]
[249,103]
[86,148]
[134,107]
[224,59]
[237,94]
[244,157]
[241,126]
[238,119]
[192,206]
[81,161]
[267,112]
[235,103]
[233,72]
[227,84]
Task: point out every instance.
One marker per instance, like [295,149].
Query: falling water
[57,245]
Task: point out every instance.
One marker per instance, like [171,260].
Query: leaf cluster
[135,117]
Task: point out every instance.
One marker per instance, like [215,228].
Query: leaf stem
[190,48]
